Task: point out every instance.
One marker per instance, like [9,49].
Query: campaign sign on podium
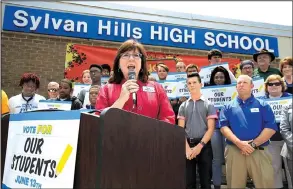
[41,150]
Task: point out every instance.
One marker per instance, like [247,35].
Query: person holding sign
[28,100]
[53,90]
[248,124]
[106,70]
[275,88]
[219,76]
[286,129]
[137,95]
[197,115]
[93,94]
[191,68]
[247,67]
[180,66]
[263,59]
[85,77]
[65,91]
[286,69]
[162,71]
[95,73]
[215,57]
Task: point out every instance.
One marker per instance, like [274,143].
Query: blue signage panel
[41,21]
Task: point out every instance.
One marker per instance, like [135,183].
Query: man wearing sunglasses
[53,90]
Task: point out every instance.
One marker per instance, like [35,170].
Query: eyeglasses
[135,56]
[52,90]
[276,84]
[247,68]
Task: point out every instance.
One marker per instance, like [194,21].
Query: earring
[118,69]
[141,70]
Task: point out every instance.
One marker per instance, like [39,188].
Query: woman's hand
[130,86]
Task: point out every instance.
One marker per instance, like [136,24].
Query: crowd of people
[243,134]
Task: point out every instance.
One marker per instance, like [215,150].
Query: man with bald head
[53,90]
[248,124]
[180,67]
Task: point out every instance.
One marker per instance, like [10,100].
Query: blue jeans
[218,146]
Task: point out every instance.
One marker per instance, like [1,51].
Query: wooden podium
[120,149]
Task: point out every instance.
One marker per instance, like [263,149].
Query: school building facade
[34,35]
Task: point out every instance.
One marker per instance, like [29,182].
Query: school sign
[41,21]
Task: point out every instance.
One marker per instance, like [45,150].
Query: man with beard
[65,91]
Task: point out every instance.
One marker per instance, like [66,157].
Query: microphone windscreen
[131,74]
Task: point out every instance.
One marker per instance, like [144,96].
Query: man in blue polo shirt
[248,123]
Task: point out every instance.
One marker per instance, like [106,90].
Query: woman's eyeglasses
[276,84]
[52,90]
[135,56]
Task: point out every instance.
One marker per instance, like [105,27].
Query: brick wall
[45,56]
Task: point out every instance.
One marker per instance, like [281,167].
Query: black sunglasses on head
[276,84]
[52,90]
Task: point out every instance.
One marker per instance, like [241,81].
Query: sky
[273,12]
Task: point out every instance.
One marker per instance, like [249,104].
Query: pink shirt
[152,100]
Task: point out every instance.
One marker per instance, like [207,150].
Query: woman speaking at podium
[129,88]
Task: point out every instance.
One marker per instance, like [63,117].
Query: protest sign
[219,95]
[171,76]
[52,104]
[205,72]
[277,105]
[170,88]
[104,80]
[182,89]
[41,150]
[78,87]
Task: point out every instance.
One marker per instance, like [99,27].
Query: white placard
[86,99]
[277,105]
[52,104]
[219,95]
[259,88]
[170,88]
[41,150]
[205,71]
[172,76]
[78,87]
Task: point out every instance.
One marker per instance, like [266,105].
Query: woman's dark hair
[66,81]
[224,71]
[27,77]
[129,45]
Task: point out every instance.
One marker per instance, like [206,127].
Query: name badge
[148,89]
[254,110]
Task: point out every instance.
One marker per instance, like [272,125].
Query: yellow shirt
[4,103]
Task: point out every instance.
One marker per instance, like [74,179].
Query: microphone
[131,75]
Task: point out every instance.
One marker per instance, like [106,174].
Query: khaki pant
[275,148]
[258,166]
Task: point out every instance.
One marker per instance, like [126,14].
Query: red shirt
[152,100]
